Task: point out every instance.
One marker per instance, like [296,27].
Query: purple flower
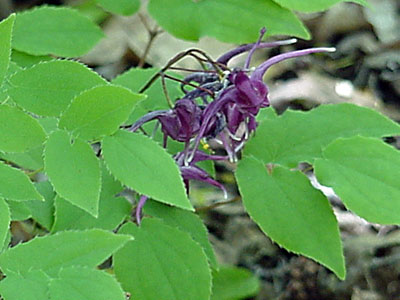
[181,123]
[230,101]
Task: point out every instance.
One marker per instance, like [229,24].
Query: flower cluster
[223,107]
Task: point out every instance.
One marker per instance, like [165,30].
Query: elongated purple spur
[222,106]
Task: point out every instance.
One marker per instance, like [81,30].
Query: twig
[152,36]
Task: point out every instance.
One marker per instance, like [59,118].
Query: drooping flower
[223,106]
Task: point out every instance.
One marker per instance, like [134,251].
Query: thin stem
[174,60]
[192,70]
[153,33]
[211,93]
[165,90]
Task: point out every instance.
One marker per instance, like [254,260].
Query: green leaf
[99,111]
[291,212]
[43,212]
[30,160]
[59,31]
[112,211]
[15,185]
[5,219]
[120,7]
[232,21]
[143,165]
[136,78]
[364,173]
[162,263]
[52,253]
[26,60]
[19,131]
[313,5]
[19,210]
[80,283]
[32,285]
[48,88]
[6,242]
[6,28]
[232,283]
[73,170]
[300,136]
[186,221]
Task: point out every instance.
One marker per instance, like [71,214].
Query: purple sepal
[195,173]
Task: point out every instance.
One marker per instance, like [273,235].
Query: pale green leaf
[30,160]
[7,241]
[19,131]
[186,221]
[120,7]
[313,5]
[162,263]
[99,111]
[112,211]
[80,283]
[26,60]
[5,219]
[19,210]
[232,283]
[364,172]
[51,253]
[48,88]
[232,21]
[49,124]
[15,185]
[6,29]
[43,212]
[291,212]
[300,136]
[60,31]
[32,285]
[143,165]
[73,170]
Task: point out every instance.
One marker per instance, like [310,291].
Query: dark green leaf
[313,5]
[291,212]
[186,221]
[143,165]
[300,136]
[19,131]
[365,175]
[232,283]
[48,88]
[120,7]
[6,28]
[232,21]
[80,283]
[99,111]
[162,263]
[15,185]
[52,253]
[73,170]
[60,31]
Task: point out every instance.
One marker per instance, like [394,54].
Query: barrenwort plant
[101,171]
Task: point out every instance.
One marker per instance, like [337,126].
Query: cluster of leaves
[64,162]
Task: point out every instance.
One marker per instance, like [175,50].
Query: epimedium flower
[223,106]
